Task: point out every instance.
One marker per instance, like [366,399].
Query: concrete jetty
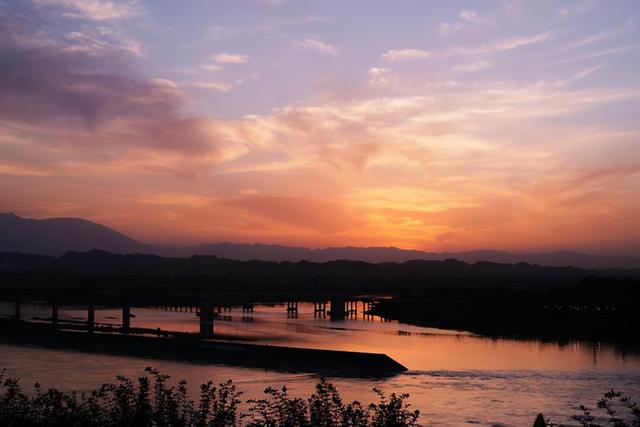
[196,349]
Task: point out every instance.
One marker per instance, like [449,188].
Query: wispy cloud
[222,32]
[476,18]
[472,66]
[318,46]
[211,67]
[446,28]
[177,199]
[217,86]
[597,54]
[467,19]
[578,6]
[513,8]
[95,10]
[405,54]
[101,42]
[582,74]
[625,28]
[83,93]
[230,58]
[380,77]
[503,45]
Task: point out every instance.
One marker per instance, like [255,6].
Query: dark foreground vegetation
[151,401]
[613,409]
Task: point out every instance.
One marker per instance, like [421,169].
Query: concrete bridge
[207,306]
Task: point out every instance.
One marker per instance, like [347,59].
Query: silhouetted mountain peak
[55,236]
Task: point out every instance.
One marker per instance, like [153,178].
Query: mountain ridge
[56,236]
[102,262]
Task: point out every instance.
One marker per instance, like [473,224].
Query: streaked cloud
[619,30]
[317,46]
[211,67]
[578,6]
[472,66]
[405,54]
[101,42]
[476,18]
[446,28]
[596,54]
[379,77]
[95,10]
[217,86]
[230,58]
[177,199]
[467,18]
[502,45]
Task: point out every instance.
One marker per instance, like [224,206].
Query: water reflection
[418,348]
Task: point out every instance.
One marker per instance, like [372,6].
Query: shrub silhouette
[151,401]
[609,407]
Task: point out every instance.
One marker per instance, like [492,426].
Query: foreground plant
[150,401]
[615,408]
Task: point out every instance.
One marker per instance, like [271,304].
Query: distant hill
[245,252]
[55,236]
[102,262]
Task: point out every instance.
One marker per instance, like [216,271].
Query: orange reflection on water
[417,348]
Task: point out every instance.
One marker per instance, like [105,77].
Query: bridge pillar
[352,309]
[292,308]
[91,315]
[319,309]
[367,307]
[337,309]
[54,311]
[126,315]
[206,319]
[17,313]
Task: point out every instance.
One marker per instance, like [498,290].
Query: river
[454,377]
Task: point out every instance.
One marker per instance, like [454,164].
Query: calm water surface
[454,377]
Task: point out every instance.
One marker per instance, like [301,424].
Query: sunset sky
[435,125]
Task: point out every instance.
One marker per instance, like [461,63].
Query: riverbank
[596,309]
